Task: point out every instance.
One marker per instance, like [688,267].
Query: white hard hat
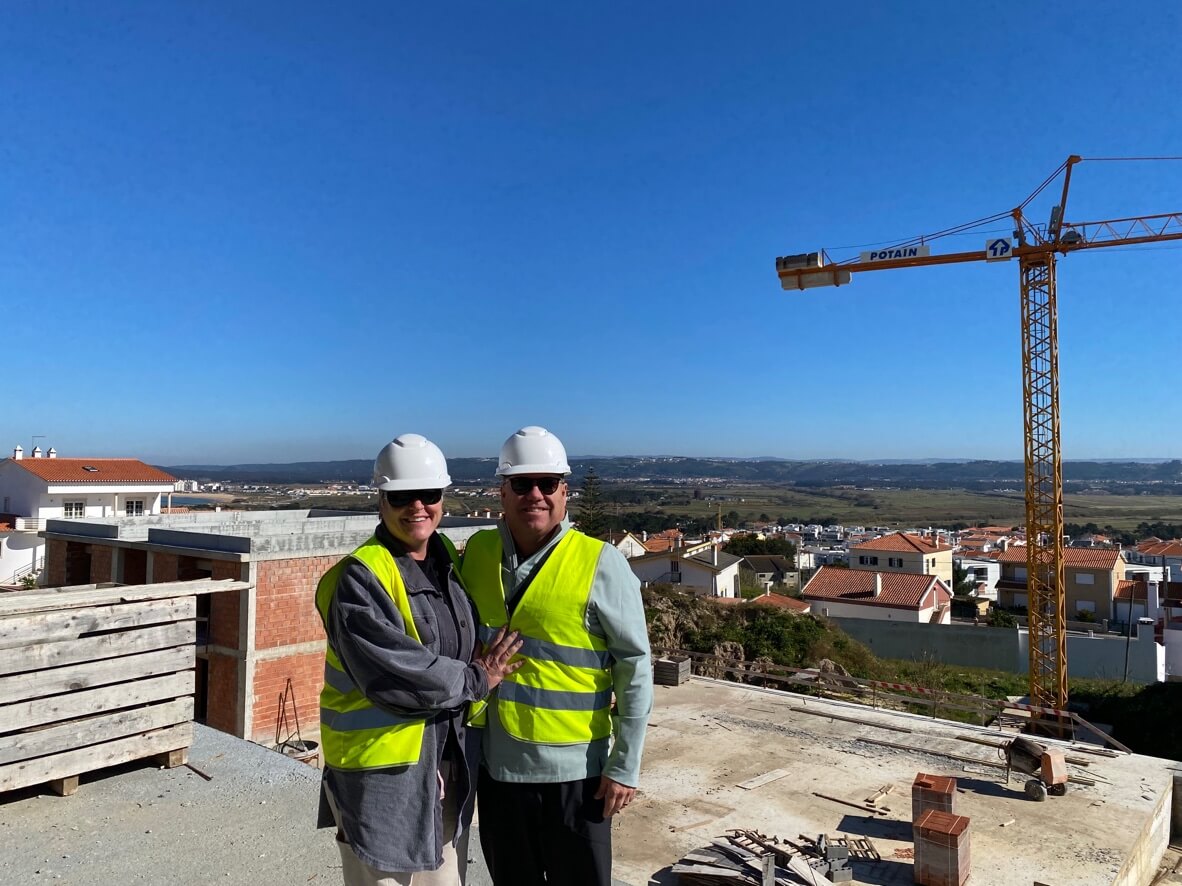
[532,450]
[410,461]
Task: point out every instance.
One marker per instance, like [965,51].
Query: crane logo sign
[896,252]
[999,249]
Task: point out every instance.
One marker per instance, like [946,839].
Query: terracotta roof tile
[901,541]
[1159,548]
[1079,558]
[1127,589]
[779,600]
[902,590]
[106,470]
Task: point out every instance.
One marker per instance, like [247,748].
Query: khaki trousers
[452,872]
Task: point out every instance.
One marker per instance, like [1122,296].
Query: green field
[893,508]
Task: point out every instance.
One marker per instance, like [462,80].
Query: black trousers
[544,834]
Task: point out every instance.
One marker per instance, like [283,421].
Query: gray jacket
[392,817]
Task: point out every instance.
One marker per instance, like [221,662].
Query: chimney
[18,453]
[714,555]
[1153,599]
[878,584]
[52,452]
[36,452]
[1003,544]
[644,535]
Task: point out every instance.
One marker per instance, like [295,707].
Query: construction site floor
[707,737]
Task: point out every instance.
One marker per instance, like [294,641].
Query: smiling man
[559,759]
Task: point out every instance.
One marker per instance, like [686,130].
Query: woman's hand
[495,661]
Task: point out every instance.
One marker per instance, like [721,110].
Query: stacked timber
[96,676]
[672,670]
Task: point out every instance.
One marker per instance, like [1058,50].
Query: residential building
[984,572]
[1155,552]
[770,569]
[884,596]
[902,552]
[1090,581]
[703,569]
[627,544]
[43,487]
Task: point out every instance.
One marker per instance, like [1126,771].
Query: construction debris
[749,857]
[856,804]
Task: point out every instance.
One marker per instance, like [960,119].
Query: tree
[594,519]
[963,585]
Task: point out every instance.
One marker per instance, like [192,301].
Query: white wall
[838,609]
[694,576]
[21,488]
[18,550]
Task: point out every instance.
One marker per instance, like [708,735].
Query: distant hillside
[1129,476]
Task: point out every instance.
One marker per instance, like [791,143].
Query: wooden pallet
[95,677]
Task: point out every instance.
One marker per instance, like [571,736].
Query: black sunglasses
[398,498]
[523,485]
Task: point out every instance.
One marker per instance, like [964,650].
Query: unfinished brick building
[250,642]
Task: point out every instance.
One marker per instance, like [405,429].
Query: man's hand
[495,661]
[615,796]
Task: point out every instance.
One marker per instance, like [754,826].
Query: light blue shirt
[616,613]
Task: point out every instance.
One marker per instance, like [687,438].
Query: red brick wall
[77,563]
[224,617]
[270,678]
[101,560]
[229,569]
[55,562]
[285,615]
[188,570]
[163,567]
[135,566]
[222,702]
[285,601]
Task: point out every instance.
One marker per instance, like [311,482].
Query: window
[862,560]
[1085,578]
[74,508]
[896,562]
[134,507]
[873,561]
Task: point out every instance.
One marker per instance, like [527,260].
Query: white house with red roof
[42,487]
[885,596]
[903,552]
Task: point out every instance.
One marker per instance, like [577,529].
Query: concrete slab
[253,822]
[707,737]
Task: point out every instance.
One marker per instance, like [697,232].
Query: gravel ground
[253,822]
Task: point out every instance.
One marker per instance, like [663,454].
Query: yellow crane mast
[1036,248]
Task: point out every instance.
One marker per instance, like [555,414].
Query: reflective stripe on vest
[562,692]
[354,733]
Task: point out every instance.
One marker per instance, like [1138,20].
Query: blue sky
[290,231]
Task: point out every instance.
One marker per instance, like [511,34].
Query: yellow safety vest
[355,733]
[562,692]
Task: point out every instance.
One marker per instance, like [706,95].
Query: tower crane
[1037,249]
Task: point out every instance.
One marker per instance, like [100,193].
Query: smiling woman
[400,674]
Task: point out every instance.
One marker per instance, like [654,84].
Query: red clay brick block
[942,849]
[932,792]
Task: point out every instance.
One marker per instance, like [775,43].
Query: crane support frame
[1046,605]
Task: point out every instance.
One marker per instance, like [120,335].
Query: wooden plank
[830,715]
[18,746]
[51,655]
[37,684]
[69,624]
[760,780]
[83,703]
[873,810]
[81,760]
[25,602]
